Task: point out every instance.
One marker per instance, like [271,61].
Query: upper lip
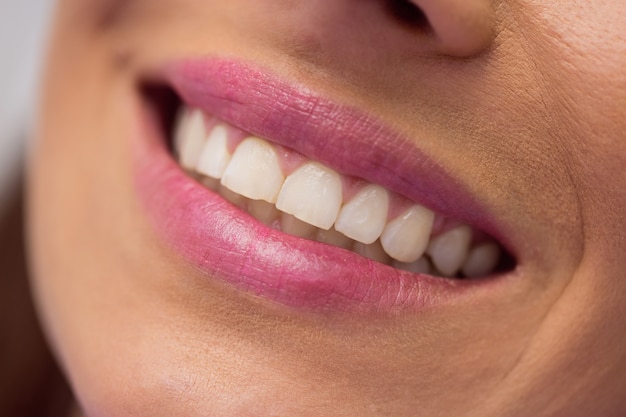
[342,137]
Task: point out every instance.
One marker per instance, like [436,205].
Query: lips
[227,244]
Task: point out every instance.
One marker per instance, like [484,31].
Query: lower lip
[227,244]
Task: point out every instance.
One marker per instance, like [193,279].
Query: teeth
[293,226]
[214,157]
[312,194]
[363,218]
[374,251]
[211,183]
[449,250]
[421,266]
[405,238]
[481,260]
[234,198]
[189,138]
[333,237]
[308,204]
[263,211]
[254,171]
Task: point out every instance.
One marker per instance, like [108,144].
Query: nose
[460,27]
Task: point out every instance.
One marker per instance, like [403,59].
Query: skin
[522,100]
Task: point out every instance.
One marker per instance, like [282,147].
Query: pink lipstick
[229,245]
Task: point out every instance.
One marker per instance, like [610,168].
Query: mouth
[265,185]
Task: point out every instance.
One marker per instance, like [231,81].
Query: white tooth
[214,157]
[421,266]
[190,137]
[312,193]
[481,260]
[293,226]
[374,251]
[254,171]
[448,251]
[234,198]
[333,237]
[363,218]
[263,211]
[405,238]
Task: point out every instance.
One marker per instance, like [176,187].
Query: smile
[291,193]
[294,207]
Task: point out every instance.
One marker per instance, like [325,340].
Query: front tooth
[254,171]
[312,193]
[293,226]
[481,260]
[363,218]
[214,157]
[405,238]
[190,137]
[449,250]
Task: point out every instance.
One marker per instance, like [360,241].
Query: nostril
[460,28]
[408,13]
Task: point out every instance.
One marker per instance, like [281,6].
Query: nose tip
[461,27]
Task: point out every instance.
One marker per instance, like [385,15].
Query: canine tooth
[293,226]
[363,218]
[333,237]
[189,137]
[421,266]
[405,238]
[263,211]
[373,251]
[234,198]
[449,250]
[481,260]
[253,171]
[214,157]
[313,194]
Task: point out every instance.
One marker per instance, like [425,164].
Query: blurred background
[30,382]
[23,29]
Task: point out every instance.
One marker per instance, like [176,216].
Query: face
[399,208]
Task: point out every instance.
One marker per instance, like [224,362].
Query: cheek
[97,15]
[587,44]
[75,196]
[584,52]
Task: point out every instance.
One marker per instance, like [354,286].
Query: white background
[23,33]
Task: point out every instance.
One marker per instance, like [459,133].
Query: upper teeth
[311,200]
[313,194]
[364,217]
[253,171]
